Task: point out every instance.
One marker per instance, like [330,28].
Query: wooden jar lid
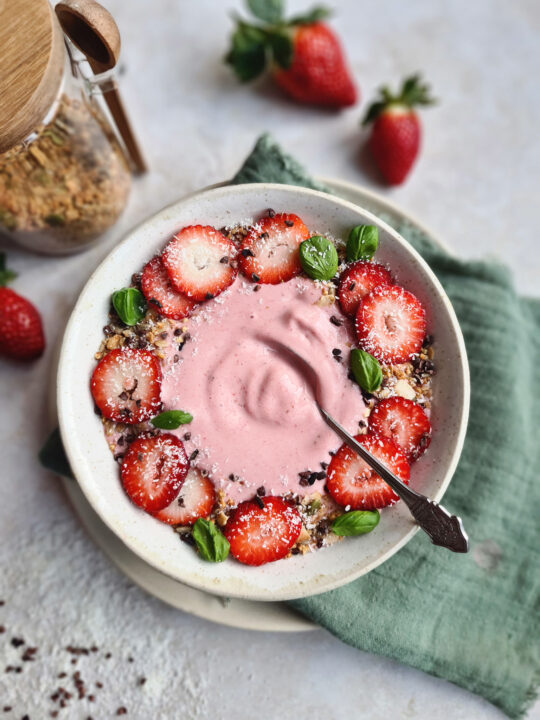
[31,66]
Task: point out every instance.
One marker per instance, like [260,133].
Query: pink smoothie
[254,413]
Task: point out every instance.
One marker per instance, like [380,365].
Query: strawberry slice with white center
[195,500]
[161,294]
[153,471]
[390,324]
[198,261]
[269,252]
[126,385]
[405,422]
[263,530]
[357,281]
[351,482]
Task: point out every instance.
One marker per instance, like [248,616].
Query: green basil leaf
[247,55]
[366,370]
[171,419]
[357,522]
[282,48]
[130,305]
[211,543]
[319,258]
[270,11]
[362,243]
[6,275]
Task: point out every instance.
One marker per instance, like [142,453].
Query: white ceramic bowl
[97,472]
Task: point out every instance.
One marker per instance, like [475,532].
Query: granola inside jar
[64,178]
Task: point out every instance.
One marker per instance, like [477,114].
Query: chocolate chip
[295,551]
[177,332]
[271,213]
[155,302]
[187,436]
[176,358]
[256,288]
[351,286]
[336,351]
[246,252]
[255,277]
[193,455]
[208,296]
[259,501]
[136,278]
[335,320]
[264,236]
[289,223]
[261,490]
[224,260]
[180,502]
[324,465]
[337,358]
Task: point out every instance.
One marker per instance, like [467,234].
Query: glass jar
[68,180]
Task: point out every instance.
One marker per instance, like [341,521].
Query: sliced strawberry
[358,280]
[351,481]
[198,260]
[405,422]
[161,294]
[126,385]
[153,471]
[269,252]
[196,499]
[262,531]
[391,324]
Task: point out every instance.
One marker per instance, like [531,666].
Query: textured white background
[476,184]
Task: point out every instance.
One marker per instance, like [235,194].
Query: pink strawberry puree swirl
[254,413]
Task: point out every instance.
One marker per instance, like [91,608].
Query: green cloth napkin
[471,619]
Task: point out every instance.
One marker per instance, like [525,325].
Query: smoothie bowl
[195,435]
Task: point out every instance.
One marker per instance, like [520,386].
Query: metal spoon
[443,528]
[92,29]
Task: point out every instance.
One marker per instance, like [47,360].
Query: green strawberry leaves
[256,46]
[413,92]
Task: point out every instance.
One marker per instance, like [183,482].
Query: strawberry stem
[6,275]
[413,92]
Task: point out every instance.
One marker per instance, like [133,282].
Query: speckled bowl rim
[76,442]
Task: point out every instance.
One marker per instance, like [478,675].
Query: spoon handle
[443,529]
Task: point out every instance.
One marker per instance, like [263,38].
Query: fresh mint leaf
[362,243]
[366,370]
[171,419]
[319,258]
[211,543]
[357,522]
[248,54]
[129,304]
[270,11]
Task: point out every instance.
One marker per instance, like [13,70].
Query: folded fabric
[471,619]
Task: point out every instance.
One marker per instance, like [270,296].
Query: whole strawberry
[303,54]
[396,132]
[21,331]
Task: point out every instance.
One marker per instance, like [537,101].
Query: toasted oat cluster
[377,343]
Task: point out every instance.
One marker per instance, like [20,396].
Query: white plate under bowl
[97,472]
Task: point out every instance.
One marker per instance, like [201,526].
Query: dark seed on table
[224,260]
[351,286]
[246,252]
[335,320]
[121,711]
[255,277]
[271,213]
[259,501]
[17,641]
[261,490]
[193,455]
[141,681]
[6,708]
[289,223]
